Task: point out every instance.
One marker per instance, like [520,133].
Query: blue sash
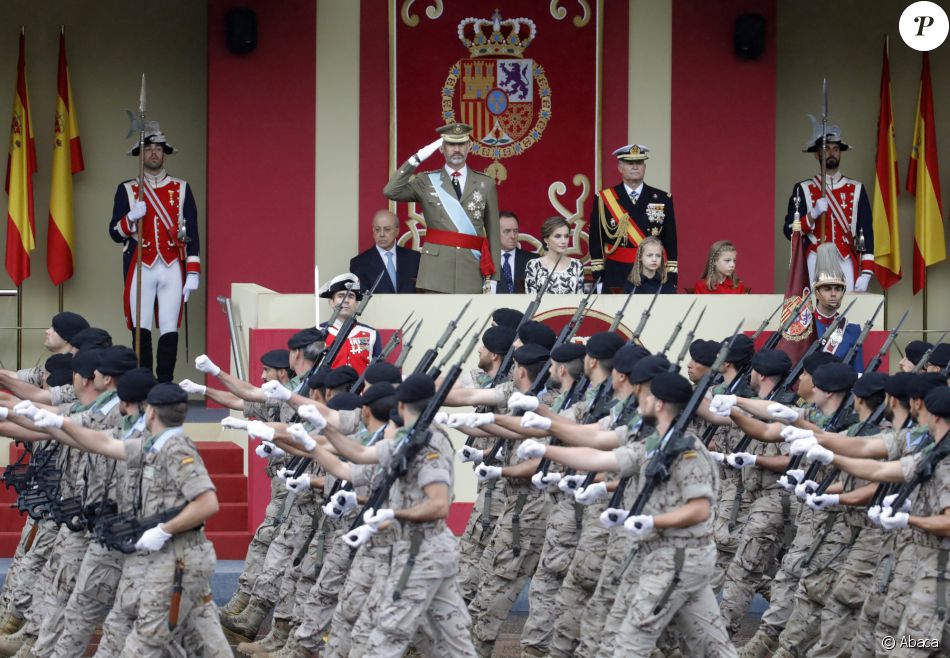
[455,211]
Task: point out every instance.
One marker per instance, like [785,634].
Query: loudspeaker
[241,24]
[750,36]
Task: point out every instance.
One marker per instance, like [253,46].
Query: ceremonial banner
[67,160]
[543,85]
[21,164]
[887,245]
[801,333]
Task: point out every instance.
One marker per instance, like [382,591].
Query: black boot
[146,354]
[165,357]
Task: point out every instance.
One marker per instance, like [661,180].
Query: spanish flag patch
[432,455]
[689,454]
[187,460]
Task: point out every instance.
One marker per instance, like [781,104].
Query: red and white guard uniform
[363,345]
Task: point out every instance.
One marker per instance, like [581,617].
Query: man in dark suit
[512,259]
[401,264]
[624,215]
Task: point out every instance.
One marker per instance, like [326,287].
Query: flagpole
[60,287]
[19,326]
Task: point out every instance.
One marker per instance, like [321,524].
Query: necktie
[506,275]
[391,268]
[455,183]
[634,196]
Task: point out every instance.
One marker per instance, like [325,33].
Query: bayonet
[407,346]
[689,341]
[677,329]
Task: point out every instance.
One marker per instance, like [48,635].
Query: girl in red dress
[719,277]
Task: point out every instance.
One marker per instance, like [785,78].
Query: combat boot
[244,626]
[10,644]
[26,650]
[237,603]
[783,653]
[760,646]
[273,641]
[290,650]
[12,622]
[532,652]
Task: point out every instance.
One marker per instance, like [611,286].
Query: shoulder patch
[432,455]
[187,460]
[690,454]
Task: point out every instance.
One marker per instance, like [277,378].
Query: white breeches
[161,283]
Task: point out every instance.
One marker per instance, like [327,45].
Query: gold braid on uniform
[618,234]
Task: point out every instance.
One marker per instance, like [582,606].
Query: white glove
[568,484]
[721,405]
[298,484]
[613,516]
[374,519]
[531,449]
[484,473]
[861,284]
[802,446]
[717,456]
[332,510]
[521,402]
[470,420]
[26,409]
[889,502]
[359,536]
[534,421]
[820,208]
[590,495]
[152,539]
[232,423]
[206,365]
[423,154]
[874,514]
[891,520]
[260,430]
[4,412]
[791,433]
[344,500]
[639,526]
[781,412]
[741,459]
[299,434]
[267,449]
[821,501]
[820,454]
[440,417]
[544,481]
[44,418]
[191,285]
[806,488]
[137,211]
[274,390]
[786,480]
[310,414]
[470,454]
[284,473]
[189,386]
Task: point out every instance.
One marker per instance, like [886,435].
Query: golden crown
[505,38]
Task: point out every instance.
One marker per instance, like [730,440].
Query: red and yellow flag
[887,245]
[924,183]
[21,164]
[67,160]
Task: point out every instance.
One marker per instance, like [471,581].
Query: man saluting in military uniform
[460,207]
[624,215]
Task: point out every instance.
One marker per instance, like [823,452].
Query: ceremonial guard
[170,249]
[624,215]
[344,291]
[460,207]
[829,284]
[836,211]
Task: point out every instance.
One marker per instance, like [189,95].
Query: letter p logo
[924,25]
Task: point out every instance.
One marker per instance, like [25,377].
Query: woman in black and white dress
[568,278]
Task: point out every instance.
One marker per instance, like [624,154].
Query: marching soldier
[624,215]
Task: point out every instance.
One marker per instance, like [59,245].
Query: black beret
[164,395]
[116,360]
[704,352]
[395,417]
[318,380]
[568,352]
[342,376]
[628,356]
[276,359]
[649,367]
[377,391]
[415,388]
[671,387]
[68,324]
[304,338]
[91,337]
[834,377]
[85,362]
[816,359]
[870,384]
[344,401]
[529,354]
[771,363]
[135,385]
[498,339]
[923,384]
[938,401]
[915,350]
[940,357]
[383,371]
[897,385]
[60,369]
[742,349]
[604,345]
[538,333]
[507,317]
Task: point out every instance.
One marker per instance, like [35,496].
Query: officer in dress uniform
[842,216]
[460,207]
[344,291]
[829,285]
[624,215]
[170,250]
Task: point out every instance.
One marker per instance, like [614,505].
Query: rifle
[388,348]
[865,330]
[925,359]
[623,309]
[677,329]
[407,346]
[644,317]
[675,367]
[436,371]
[120,532]
[428,358]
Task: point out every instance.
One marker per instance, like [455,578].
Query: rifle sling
[516,524]
[415,543]
[679,559]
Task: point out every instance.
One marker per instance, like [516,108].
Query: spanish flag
[67,160]
[887,245]
[924,183]
[21,164]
